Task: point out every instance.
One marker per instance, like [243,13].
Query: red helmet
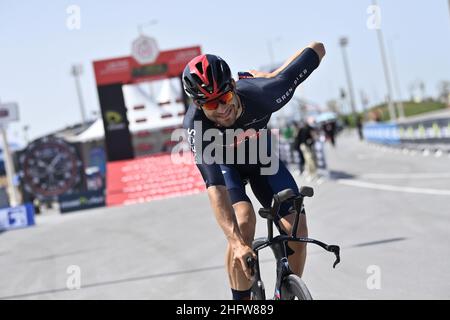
[206,77]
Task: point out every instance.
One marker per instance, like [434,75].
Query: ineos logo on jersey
[191,139]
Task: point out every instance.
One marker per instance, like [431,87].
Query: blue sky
[37,48]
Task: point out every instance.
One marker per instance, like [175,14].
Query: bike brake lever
[336,250]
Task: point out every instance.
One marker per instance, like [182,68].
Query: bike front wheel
[293,288]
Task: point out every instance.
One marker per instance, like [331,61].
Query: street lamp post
[399,102]
[9,168]
[343,43]
[76,71]
[386,71]
[364,100]
[8,110]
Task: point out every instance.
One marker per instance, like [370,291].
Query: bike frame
[277,244]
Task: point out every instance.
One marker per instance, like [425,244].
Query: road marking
[386,187]
[431,175]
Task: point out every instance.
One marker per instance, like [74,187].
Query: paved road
[389,211]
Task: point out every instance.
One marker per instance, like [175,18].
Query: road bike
[288,286]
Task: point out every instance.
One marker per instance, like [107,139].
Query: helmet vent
[199,66]
[189,83]
[196,78]
[220,72]
[210,78]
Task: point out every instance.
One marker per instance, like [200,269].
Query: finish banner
[111,74]
[125,70]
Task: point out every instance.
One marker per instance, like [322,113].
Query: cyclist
[226,105]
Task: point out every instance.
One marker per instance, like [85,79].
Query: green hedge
[411,108]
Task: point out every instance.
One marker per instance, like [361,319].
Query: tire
[293,288]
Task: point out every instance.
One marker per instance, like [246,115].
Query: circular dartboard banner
[50,167]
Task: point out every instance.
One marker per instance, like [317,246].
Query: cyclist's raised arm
[281,85]
[318,48]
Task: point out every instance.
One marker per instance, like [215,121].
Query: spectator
[296,148]
[330,131]
[288,132]
[359,127]
[305,142]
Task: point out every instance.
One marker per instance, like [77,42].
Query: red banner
[127,70]
[150,178]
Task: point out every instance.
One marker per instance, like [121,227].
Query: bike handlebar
[336,250]
[270,213]
[284,195]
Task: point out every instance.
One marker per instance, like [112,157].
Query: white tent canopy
[97,132]
[154,115]
[168,92]
[94,132]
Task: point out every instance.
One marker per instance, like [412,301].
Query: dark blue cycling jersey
[260,97]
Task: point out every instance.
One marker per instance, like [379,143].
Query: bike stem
[270,229]
[298,203]
[274,212]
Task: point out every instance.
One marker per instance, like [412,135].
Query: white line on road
[427,175]
[386,187]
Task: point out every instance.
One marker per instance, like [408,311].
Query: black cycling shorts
[263,186]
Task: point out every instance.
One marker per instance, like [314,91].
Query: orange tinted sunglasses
[223,99]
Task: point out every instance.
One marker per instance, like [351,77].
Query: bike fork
[283,269]
[257,280]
